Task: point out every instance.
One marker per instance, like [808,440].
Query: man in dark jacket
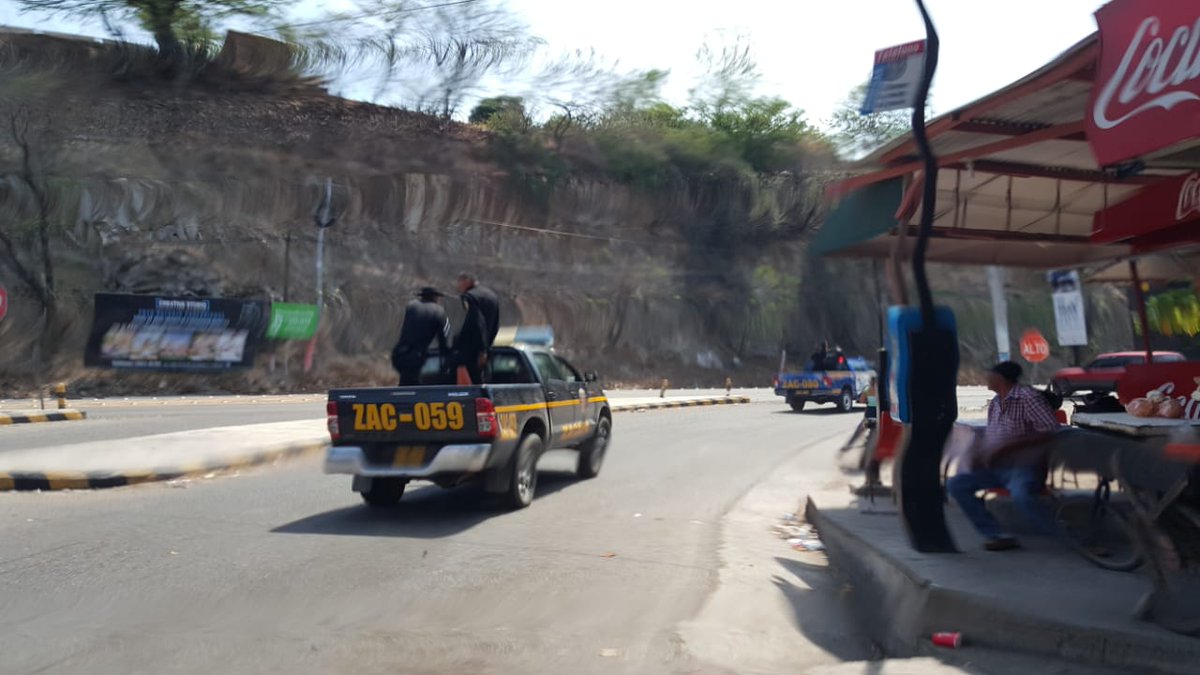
[424,320]
[479,329]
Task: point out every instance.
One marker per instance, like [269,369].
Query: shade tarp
[861,216]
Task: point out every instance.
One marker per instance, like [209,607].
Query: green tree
[172,22]
[856,134]
[765,133]
[497,105]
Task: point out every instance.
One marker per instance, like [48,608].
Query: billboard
[1069,320]
[154,333]
[291,321]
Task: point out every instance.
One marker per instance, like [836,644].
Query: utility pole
[324,220]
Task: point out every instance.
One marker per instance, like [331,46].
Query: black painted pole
[933,359]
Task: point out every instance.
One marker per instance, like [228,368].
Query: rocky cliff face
[212,193]
[163,192]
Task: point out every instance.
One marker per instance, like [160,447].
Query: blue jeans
[1025,484]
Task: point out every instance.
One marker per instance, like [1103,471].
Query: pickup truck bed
[494,432]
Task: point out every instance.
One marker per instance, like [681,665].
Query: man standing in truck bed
[424,320]
[479,329]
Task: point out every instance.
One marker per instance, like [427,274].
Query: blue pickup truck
[841,387]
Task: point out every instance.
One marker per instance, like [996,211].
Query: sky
[810,52]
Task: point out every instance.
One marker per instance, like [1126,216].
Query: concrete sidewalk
[159,457]
[143,459]
[1043,599]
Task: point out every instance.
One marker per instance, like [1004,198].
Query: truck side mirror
[591,376]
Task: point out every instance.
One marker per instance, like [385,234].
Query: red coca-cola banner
[1169,203]
[1146,95]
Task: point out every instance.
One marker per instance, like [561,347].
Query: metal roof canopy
[1018,184]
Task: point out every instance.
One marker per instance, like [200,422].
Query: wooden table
[1165,494]
[1128,425]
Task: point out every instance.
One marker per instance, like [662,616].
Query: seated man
[1013,456]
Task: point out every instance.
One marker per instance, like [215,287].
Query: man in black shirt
[424,320]
[479,329]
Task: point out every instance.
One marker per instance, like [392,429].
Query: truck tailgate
[425,415]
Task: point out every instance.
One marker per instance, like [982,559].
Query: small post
[60,392]
[42,398]
[665,384]
[287,266]
[728,386]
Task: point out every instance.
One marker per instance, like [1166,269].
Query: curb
[29,481]
[633,407]
[34,418]
[918,607]
[26,481]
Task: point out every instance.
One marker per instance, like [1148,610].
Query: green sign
[290,321]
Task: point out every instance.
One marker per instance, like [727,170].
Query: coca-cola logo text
[1189,197]
[1156,71]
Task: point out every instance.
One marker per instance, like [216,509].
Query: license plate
[423,416]
[409,457]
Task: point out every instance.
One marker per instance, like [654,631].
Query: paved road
[282,570]
[114,419]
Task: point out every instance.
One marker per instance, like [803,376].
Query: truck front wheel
[384,492]
[523,481]
[591,455]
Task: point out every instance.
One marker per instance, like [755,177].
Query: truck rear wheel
[846,401]
[591,455]
[384,492]
[797,404]
[523,481]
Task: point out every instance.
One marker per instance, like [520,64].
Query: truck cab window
[546,366]
[568,371]
[507,368]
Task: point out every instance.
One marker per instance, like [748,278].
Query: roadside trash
[610,652]
[179,483]
[210,475]
[609,555]
[637,515]
[808,545]
[789,518]
[794,531]
[951,640]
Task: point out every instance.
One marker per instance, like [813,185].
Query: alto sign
[1147,92]
[1034,347]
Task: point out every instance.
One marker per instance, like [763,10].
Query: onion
[1170,409]
[1140,407]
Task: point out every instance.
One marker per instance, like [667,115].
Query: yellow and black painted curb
[33,418]
[727,400]
[25,481]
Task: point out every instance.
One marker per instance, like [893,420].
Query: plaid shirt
[1021,414]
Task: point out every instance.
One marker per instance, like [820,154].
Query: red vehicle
[1102,374]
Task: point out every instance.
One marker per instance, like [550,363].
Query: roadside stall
[1093,159]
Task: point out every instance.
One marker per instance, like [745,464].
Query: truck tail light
[485,418]
[331,420]
[775,383]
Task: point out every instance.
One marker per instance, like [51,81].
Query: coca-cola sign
[1189,197]
[1147,89]
[1171,203]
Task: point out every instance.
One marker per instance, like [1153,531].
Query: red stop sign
[1034,347]
[3,302]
